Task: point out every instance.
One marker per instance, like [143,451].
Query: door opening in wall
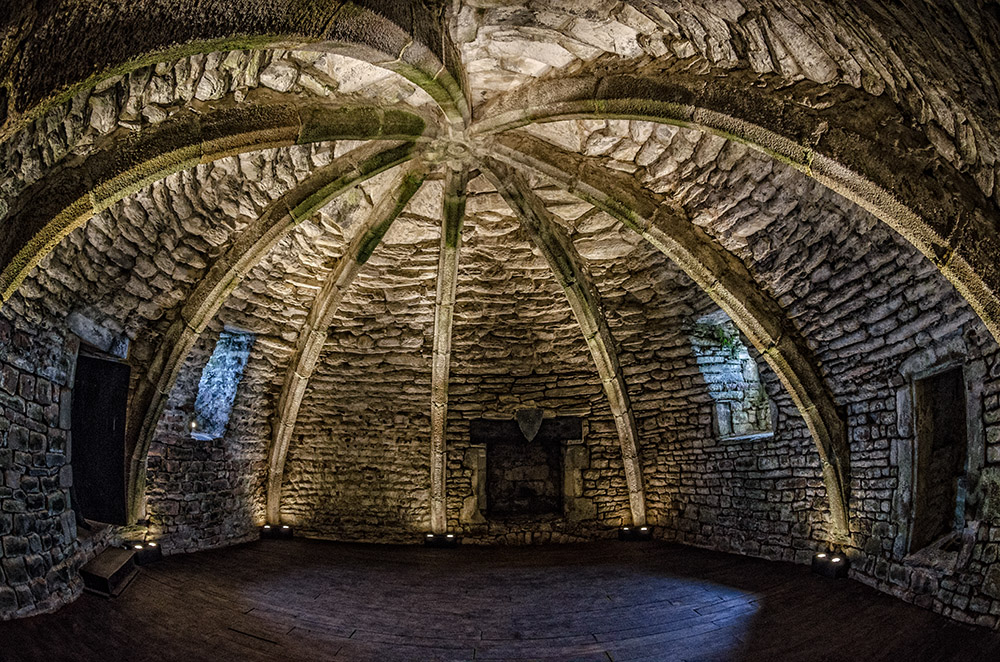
[100,395]
[940,458]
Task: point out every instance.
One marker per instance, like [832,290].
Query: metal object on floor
[830,564]
[276,531]
[145,552]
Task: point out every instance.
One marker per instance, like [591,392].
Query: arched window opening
[742,407]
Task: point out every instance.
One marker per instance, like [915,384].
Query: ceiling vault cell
[48,211]
[382,35]
[571,273]
[859,146]
[722,276]
[313,334]
[225,274]
[456,180]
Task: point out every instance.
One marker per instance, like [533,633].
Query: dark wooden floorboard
[604,602]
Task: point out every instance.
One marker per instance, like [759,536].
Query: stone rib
[313,334]
[48,211]
[223,277]
[724,277]
[406,39]
[870,154]
[444,308]
[577,284]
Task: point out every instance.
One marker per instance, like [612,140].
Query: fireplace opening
[524,477]
[939,471]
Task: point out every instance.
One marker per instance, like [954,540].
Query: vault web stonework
[434,214]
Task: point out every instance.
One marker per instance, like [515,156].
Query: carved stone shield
[529,420]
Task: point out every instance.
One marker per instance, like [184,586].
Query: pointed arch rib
[444,309]
[410,39]
[299,204]
[860,146]
[313,334]
[46,212]
[571,273]
[723,276]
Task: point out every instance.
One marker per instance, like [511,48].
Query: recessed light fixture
[633,534]
[830,565]
[441,540]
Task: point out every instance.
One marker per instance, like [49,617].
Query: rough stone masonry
[816,181]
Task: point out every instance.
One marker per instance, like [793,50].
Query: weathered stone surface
[873,311]
[35,546]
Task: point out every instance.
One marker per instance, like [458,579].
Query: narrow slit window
[219,381]
[941,447]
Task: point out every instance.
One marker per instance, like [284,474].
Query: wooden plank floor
[603,602]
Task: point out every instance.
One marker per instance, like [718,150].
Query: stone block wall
[206,492]
[358,466]
[362,477]
[874,312]
[38,545]
[760,495]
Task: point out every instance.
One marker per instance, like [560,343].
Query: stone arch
[790,122]
[314,333]
[409,40]
[859,146]
[296,206]
[76,191]
[577,284]
[725,278]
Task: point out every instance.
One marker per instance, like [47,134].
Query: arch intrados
[71,194]
[943,214]
[376,36]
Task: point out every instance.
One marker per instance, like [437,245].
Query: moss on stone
[454,209]
[234,43]
[410,185]
[366,169]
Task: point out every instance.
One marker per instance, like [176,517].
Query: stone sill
[755,436]
[946,554]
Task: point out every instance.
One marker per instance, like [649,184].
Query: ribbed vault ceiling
[546,279]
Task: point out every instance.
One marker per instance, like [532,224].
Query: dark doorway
[100,394]
[524,478]
[941,454]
